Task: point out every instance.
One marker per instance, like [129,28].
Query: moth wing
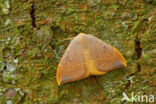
[87,55]
[72,64]
[105,56]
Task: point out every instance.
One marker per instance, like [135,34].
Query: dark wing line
[93,60]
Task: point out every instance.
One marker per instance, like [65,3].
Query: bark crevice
[138,52]
[32,14]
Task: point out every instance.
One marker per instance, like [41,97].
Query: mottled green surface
[34,35]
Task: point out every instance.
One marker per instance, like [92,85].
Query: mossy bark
[35,33]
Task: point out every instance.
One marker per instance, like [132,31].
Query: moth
[87,55]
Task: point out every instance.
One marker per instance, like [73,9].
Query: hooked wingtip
[124,62]
[62,80]
[120,64]
[125,65]
[58,78]
[58,82]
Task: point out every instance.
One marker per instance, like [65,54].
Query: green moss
[38,50]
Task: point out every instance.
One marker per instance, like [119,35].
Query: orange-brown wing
[105,56]
[87,55]
[72,64]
